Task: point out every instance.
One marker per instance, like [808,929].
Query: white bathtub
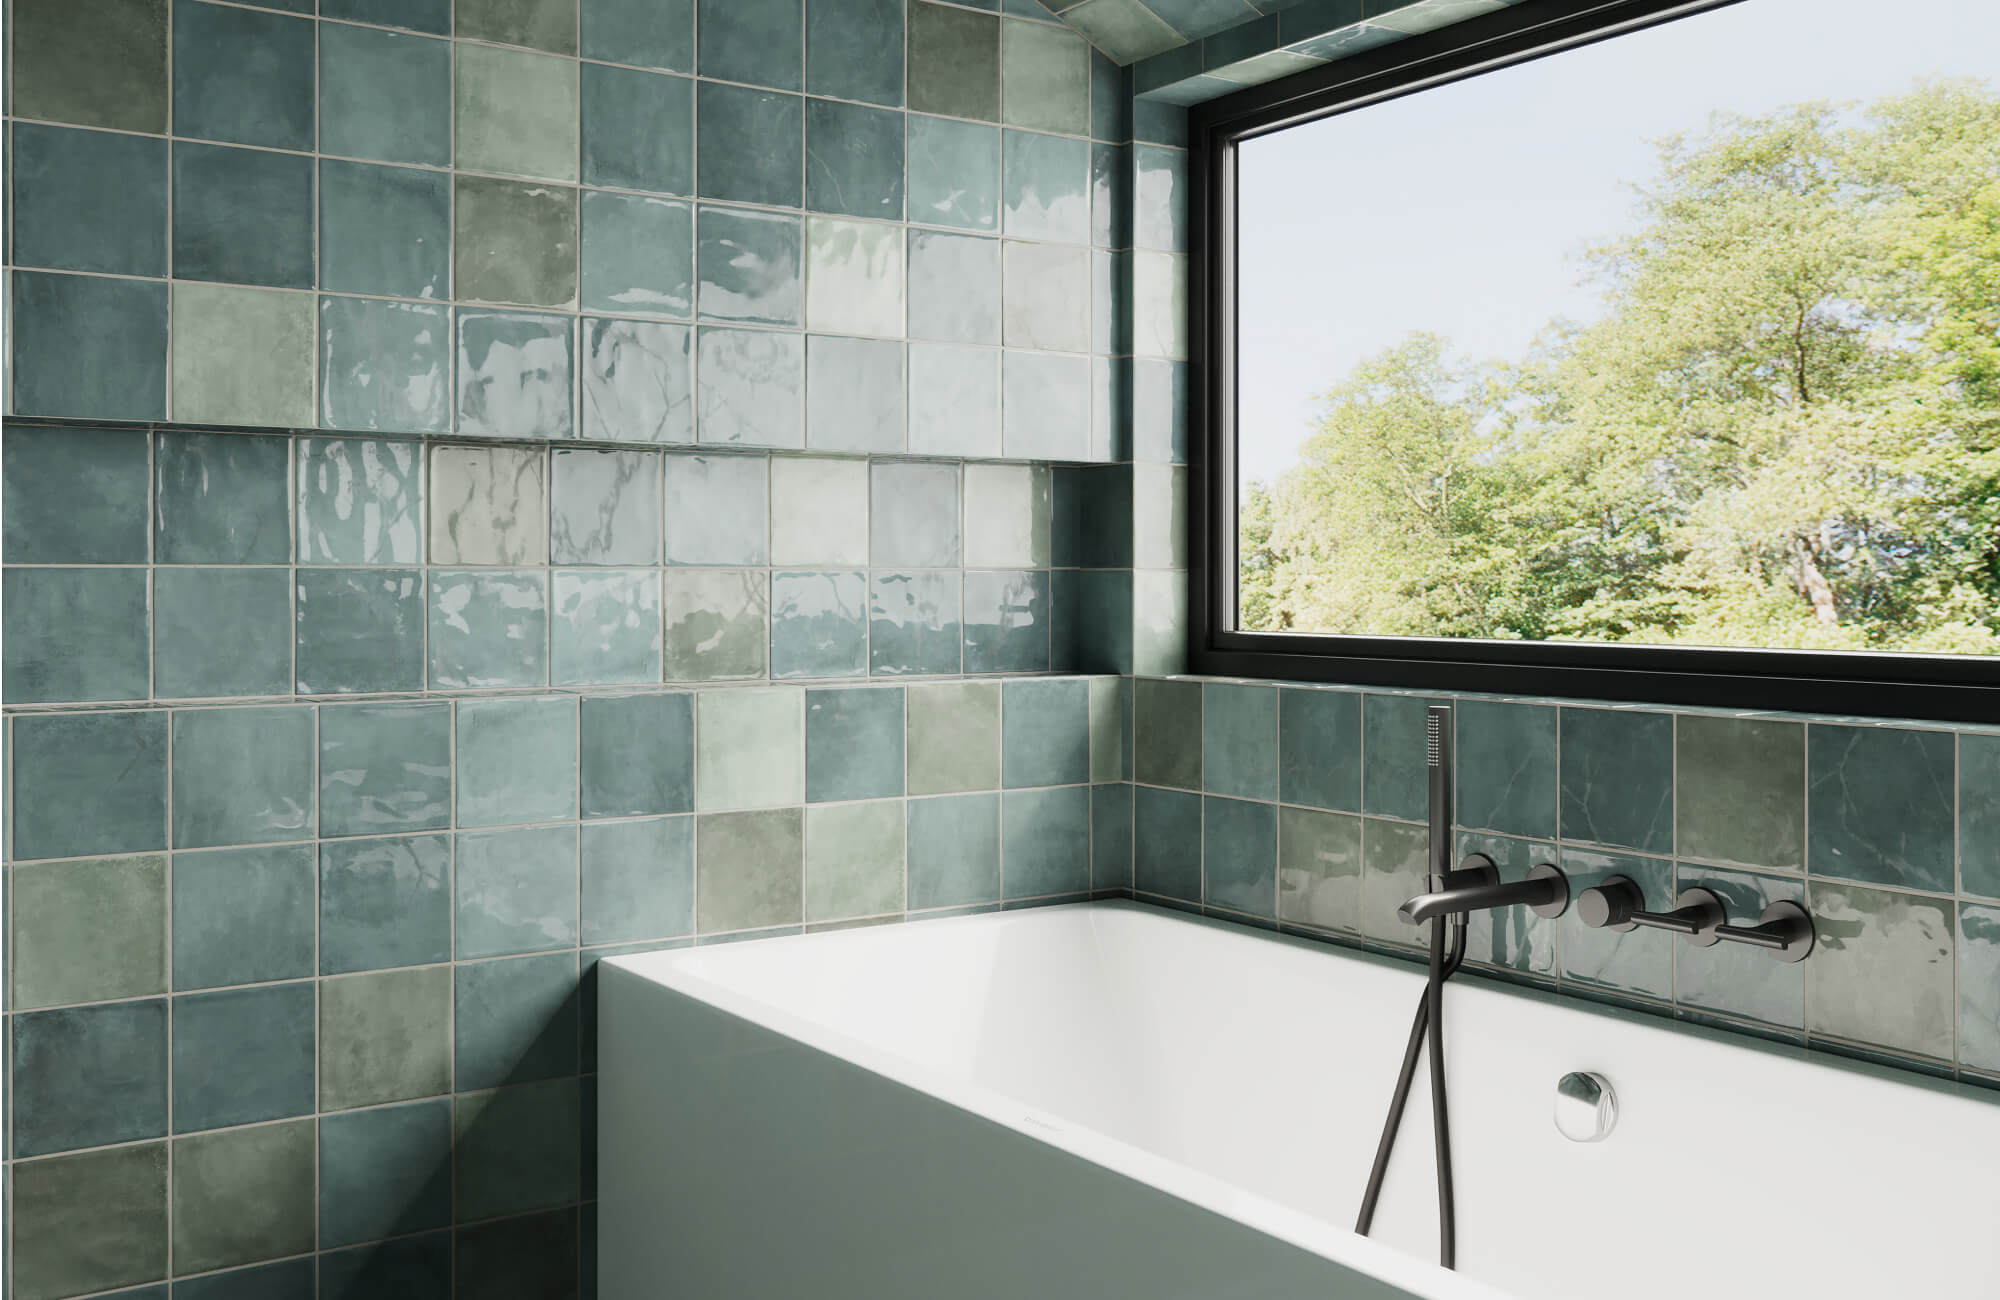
[1114,1101]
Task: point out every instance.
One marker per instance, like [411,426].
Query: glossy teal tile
[1092,516]
[1506,760]
[384,230]
[384,365]
[1741,789]
[638,381]
[854,277]
[953,62]
[360,630]
[1092,621]
[638,879]
[1240,855]
[1979,987]
[645,33]
[1638,962]
[638,255]
[75,634]
[1110,99]
[89,1076]
[750,266]
[954,173]
[243,916]
[717,509]
[954,288]
[1045,842]
[750,145]
[433,16]
[1239,744]
[954,737]
[752,388]
[89,201]
[1006,622]
[243,776]
[533,1255]
[748,750]
[89,347]
[1319,748]
[954,850]
[243,1056]
[716,624]
[540,24]
[243,76]
[517,760]
[1319,869]
[243,215]
[86,784]
[854,859]
[638,130]
[403,1268]
[1879,805]
[221,632]
[854,50]
[637,755]
[1167,839]
[488,628]
[1127,27]
[606,627]
[914,522]
[1111,203]
[954,400]
[516,242]
[516,1149]
[1883,972]
[819,624]
[913,623]
[384,95]
[854,160]
[384,903]
[1160,198]
[222,499]
[1045,187]
[855,394]
[1046,406]
[384,1173]
[515,114]
[515,891]
[605,507]
[749,869]
[1046,725]
[1730,978]
[88,931]
[74,495]
[384,1036]
[87,1222]
[1111,829]
[854,744]
[1045,79]
[243,1196]
[92,62]
[1617,778]
[516,1021]
[514,374]
[1167,733]
[1978,816]
[757,42]
[242,356]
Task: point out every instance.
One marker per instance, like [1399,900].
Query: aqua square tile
[516,1149]
[515,113]
[1044,79]
[541,24]
[749,870]
[222,499]
[914,522]
[716,624]
[243,776]
[757,42]
[90,1221]
[88,931]
[221,632]
[1111,828]
[360,630]
[517,760]
[89,1076]
[1045,187]
[384,1173]
[718,509]
[243,916]
[954,400]
[914,623]
[819,624]
[1240,855]
[242,1056]
[92,62]
[242,356]
[1741,790]
[535,1254]
[515,891]
[604,507]
[854,744]
[489,505]
[1167,843]
[644,33]
[954,288]
[243,1195]
[750,266]
[1160,198]
[402,1268]
[514,374]
[384,365]
[516,242]
[750,145]
[637,755]
[516,1021]
[1879,805]
[606,627]
[954,173]
[1319,749]
[243,215]
[1618,778]
[1006,621]
[953,62]
[89,347]
[854,859]
[855,394]
[1045,402]
[1506,767]
[638,879]
[1638,962]
[243,76]
[1978,814]
[954,850]
[1319,869]
[1046,725]
[384,95]
[752,388]
[384,230]
[433,16]
[1167,733]
[749,748]
[1883,973]
[1239,744]
[854,160]
[854,50]
[638,381]
[638,130]
[384,1036]
[88,783]
[1045,842]
[89,201]
[488,627]
[1730,978]
[384,903]
[74,634]
[74,495]
[638,255]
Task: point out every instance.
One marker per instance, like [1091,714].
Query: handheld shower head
[1438,747]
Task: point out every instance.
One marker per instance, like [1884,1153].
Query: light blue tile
[638,255]
[1006,621]
[384,365]
[1046,406]
[517,760]
[954,850]
[638,381]
[384,767]
[638,879]
[913,623]
[750,265]
[488,628]
[752,388]
[1045,187]
[854,394]
[914,519]
[1045,725]
[954,400]
[854,744]
[516,891]
[1979,987]
[514,373]
[604,507]
[638,754]
[360,501]
[1159,218]
[243,776]
[607,627]
[384,903]
[954,288]
[718,510]
[819,624]
[954,173]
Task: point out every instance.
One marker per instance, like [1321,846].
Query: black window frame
[1875,684]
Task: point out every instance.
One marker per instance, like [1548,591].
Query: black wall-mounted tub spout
[1476,887]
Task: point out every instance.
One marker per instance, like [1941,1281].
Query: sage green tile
[516,242]
[1730,978]
[1741,791]
[749,869]
[384,365]
[541,24]
[242,356]
[88,783]
[954,737]
[384,95]
[854,859]
[384,1036]
[489,505]
[516,114]
[1319,869]
[89,1222]
[221,632]
[1044,187]
[243,1195]
[954,62]
[384,767]
[488,628]
[954,173]
[716,624]
[638,255]
[89,201]
[75,634]
[1880,805]
[243,776]
[638,381]
[749,749]
[92,62]
[515,374]
[74,495]
[750,145]
[88,931]
[1883,971]
[854,50]
[1045,78]
[638,130]
[638,755]
[516,760]
[1167,727]
[1636,961]
[360,630]
[515,1149]
[638,879]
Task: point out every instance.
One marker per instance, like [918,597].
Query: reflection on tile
[752,388]
[1513,937]
[954,288]
[1393,863]
[1882,972]
[1979,987]
[1740,791]
[638,255]
[1007,516]
[819,512]
[360,630]
[1880,805]
[819,624]
[638,381]
[1006,622]
[605,507]
[514,374]
[1618,778]
[488,628]
[1159,218]
[854,277]
[954,173]
[489,505]
[750,266]
[954,400]
[360,501]
[1319,869]
[1047,297]
[384,365]
[1635,961]
[1159,305]
[1045,187]
[607,627]
[717,509]
[715,624]
[1047,406]
[854,394]
[913,623]
[384,767]
[1729,977]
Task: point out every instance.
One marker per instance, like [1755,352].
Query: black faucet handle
[1619,904]
[1785,930]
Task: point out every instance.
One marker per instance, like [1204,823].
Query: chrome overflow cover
[1586,1108]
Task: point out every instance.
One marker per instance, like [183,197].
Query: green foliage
[1783,431]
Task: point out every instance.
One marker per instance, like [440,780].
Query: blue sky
[1459,209]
